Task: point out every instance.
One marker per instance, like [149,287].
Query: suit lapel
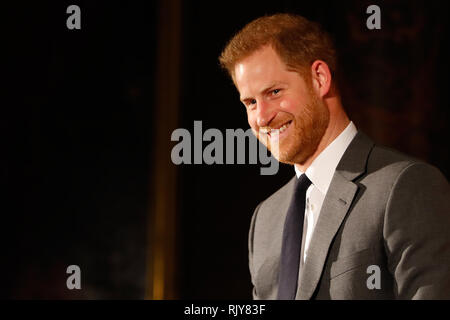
[335,207]
[334,210]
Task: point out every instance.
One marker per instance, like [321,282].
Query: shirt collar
[321,170]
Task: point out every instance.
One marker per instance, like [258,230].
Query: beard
[306,132]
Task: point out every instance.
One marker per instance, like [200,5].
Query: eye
[276,91]
[250,103]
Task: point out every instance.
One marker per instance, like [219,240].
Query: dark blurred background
[89,116]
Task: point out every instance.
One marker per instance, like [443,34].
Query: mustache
[276,124]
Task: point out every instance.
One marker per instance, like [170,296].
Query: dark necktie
[292,241]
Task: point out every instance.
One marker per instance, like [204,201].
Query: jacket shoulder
[280,195]
[386,161]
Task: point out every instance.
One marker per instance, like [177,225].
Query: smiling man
[357,221]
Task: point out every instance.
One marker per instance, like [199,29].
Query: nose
[265,113]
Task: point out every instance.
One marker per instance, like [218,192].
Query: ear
[321,77]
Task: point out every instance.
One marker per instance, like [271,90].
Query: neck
[338,122]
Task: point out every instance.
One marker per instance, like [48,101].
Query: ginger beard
[305,132]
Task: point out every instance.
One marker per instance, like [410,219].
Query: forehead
[259,70]
[261,62]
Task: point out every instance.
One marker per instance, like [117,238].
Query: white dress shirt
[320,172]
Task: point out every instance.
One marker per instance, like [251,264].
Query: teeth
[279,130]
[283,127]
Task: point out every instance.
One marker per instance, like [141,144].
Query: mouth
[276,131]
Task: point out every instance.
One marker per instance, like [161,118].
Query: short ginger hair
[298,41]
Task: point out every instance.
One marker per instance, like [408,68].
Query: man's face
[278,98]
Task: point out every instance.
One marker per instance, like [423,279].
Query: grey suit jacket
[383,232]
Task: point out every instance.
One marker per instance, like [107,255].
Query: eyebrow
[273,85]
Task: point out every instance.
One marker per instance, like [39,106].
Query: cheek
[293,104]
[287,105]
[251,118]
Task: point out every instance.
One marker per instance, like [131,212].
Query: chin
[291,160]
[299,153]
[291,156]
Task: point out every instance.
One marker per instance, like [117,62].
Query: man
[357,221]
